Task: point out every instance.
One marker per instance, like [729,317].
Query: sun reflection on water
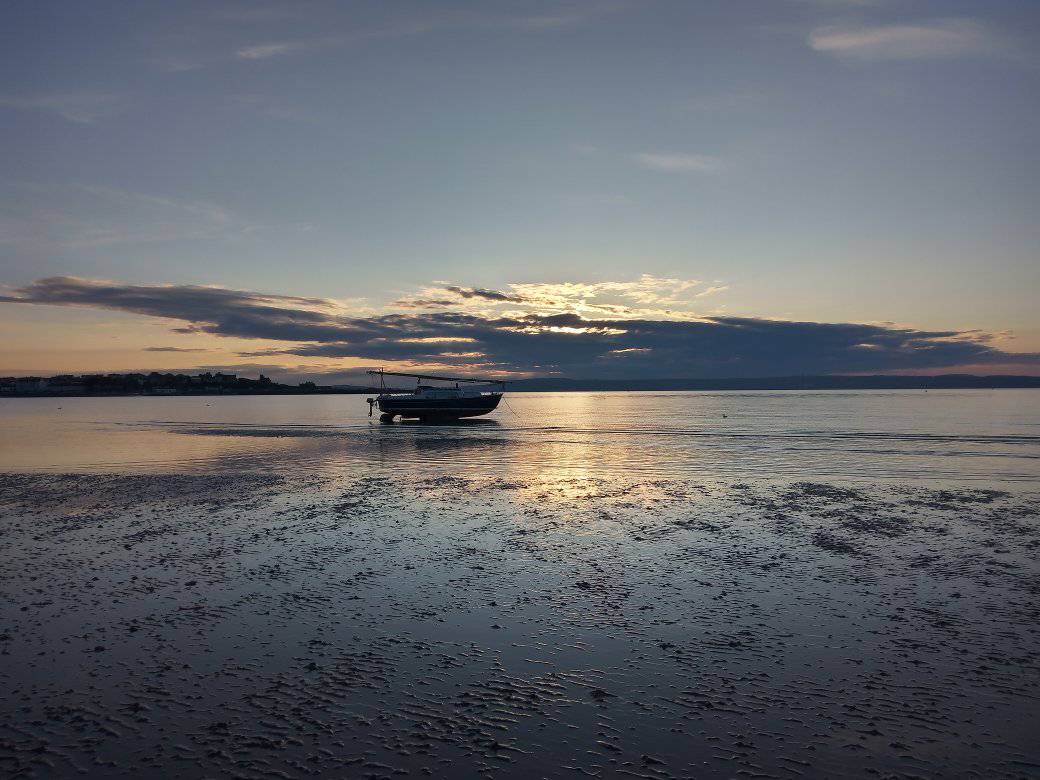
[561,448]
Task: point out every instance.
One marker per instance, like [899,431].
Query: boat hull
[439,408]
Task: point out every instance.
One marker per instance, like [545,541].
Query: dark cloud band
[559,343]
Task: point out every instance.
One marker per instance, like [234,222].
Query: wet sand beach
[353,623]
[242,626]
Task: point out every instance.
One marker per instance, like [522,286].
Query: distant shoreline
[43,394]
[871,382]
[868,382]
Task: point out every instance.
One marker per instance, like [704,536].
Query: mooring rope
[510,408]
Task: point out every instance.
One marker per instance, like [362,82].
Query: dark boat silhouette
[427,402]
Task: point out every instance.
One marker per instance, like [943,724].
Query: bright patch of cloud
[263,51]
[679,163]
[647,296]
[940,38]
[438,340]
[647,290]
[570,329]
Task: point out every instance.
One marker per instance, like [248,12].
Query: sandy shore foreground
[244,626]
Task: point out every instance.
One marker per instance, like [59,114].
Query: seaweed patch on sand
[550,626]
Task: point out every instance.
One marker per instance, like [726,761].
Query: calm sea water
[946,436]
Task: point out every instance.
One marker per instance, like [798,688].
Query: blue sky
[825,161]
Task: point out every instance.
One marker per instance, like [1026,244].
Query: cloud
[453,295]
[188,303]
[481,19]
[81,107]
[563,343]
[576,14]
[602,297]
[679,163]
[174,349]
[645,296]
[264,50]
[216,34]
[934,39]
[712,290]
[76,215]
[425,303]
[487,295]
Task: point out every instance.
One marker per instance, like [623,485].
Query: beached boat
[428,402]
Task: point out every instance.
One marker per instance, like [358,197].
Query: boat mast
[435,377]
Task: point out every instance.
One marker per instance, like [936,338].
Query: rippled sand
[249,626]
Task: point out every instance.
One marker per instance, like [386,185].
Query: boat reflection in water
[429,403]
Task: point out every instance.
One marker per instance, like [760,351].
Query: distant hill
[873,382]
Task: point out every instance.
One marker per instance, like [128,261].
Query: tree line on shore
[154,383]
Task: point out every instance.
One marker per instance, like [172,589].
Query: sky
[589,189]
